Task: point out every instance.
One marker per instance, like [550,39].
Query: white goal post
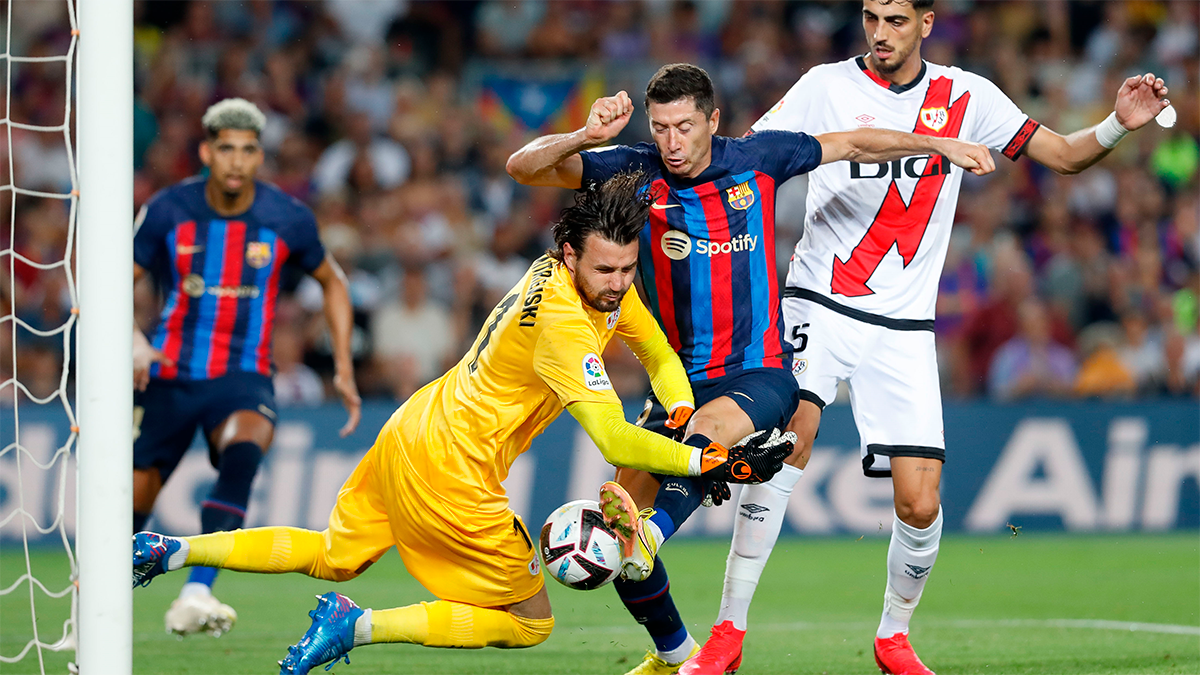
[105,342]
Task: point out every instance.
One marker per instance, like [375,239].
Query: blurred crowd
[393,120]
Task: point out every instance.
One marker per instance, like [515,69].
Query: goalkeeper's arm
[625,444]
[668,379]
[754,460]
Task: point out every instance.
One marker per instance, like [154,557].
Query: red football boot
[721,655]
[895,656]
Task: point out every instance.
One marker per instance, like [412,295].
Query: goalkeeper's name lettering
[533,297]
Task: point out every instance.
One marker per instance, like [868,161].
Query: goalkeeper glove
[677,420]
[755,459]
[718,493]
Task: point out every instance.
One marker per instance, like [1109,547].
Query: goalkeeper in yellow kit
[431,485]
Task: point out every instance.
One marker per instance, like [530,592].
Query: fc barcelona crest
[934,118]
[258,254]
[740,196]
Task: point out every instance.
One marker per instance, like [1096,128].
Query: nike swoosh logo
[188,250]
[741,394]
[660,207]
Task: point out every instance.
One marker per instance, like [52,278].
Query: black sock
[679,496]
[139,521]
[225,508]
[650,603]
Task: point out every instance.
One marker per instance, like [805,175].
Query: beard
[602,302]
[897,60]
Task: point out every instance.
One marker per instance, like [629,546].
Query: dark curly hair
[919,5]
[682,80]
[616,210]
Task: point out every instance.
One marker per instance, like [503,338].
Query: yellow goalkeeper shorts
[481,557]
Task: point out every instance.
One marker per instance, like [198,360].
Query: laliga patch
[934,118]
[613,316]
[594,377]
[799,366]
[535,567]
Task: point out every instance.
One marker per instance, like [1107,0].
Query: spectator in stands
[1104,372]
[1142,353]
[296,385]
[363,159]
[1031,364]
[414,340]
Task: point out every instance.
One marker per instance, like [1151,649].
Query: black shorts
[166,415]
[768,396]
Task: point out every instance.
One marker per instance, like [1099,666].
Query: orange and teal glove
[755,459]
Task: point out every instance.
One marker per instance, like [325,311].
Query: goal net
[38,312]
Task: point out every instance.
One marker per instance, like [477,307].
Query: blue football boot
[329,639]
[150,555]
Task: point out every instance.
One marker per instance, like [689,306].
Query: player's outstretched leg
[911,556]
[154,554]
[267,550]
[339,625]
[639,536]
[756,529]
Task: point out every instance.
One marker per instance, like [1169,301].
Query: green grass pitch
[1035,603]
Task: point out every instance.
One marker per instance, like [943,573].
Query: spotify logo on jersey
[676,244]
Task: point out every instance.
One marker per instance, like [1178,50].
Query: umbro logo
[916,571]
[750,512]
[865,119]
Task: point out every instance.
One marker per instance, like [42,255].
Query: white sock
[755,530]
[680,653]
[362,629]
[177,559]
[910,559]
[194,588]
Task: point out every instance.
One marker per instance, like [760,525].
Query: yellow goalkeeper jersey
[539,351]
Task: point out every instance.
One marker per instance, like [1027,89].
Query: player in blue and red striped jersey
[707,264]
[215,248]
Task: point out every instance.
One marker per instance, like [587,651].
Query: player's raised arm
[554,159]
[884,145]
[339,314]
[1139,100]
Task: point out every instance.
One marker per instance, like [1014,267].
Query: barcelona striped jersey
[220,276]
[707,254]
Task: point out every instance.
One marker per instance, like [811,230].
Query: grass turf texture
[989,608]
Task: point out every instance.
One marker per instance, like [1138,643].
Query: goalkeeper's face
[233,157]
[603,271]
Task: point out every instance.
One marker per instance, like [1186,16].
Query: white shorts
[892,374]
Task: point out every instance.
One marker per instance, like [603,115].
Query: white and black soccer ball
[577,548]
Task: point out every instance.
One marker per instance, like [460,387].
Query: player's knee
[918,511]
[528,632]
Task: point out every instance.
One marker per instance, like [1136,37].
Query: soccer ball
[577,548]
